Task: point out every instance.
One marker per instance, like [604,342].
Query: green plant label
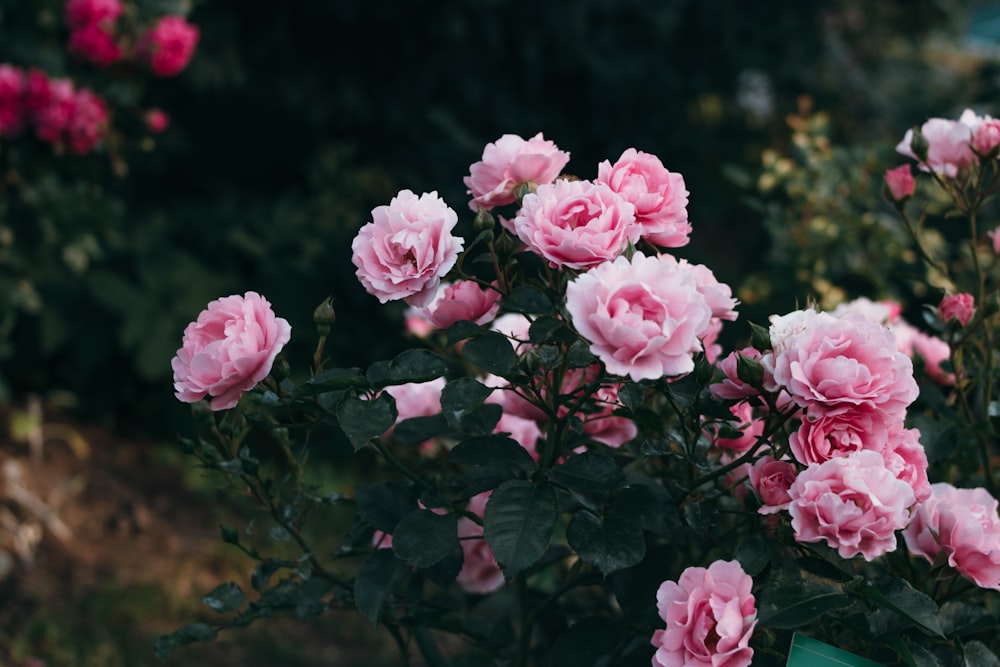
[808,652]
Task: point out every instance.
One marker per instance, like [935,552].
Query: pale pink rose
[710,340]
[959,307]
[576,224]
[784,328]
[823,438]
[948,146]
[228,350]
[962,523]
[480,572]
[841,364]
[525,431]
[407,248]
[880,312]
[746,422]
[899,182]
[82,13]
[710,616]
[88,123]
[52,119]
[515,326]
[12,90]
[853,503]
[719,296]
[95,43]
[417,399]
[156,120]
[771,480]
[643,317]
[169,45]
[905,457]
[462,300]
[986,137]
[510,162]
[994,235]
[933,350]
[659,196]
[732,388]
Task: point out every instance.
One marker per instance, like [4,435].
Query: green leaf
[461,330]
[589,472]
[651,506]
[612,544]
[549,329]
[701,518]
[422,538]
[363,420]
[262,574]
[519,520]
[492,450]
[225,597]
[419,429]
[978,655]
[960,619]
[376,577]
[415,365]
[460,397]
[899,596]
[755,552]
[792,598]
[809,652]
[334,379]
[444,572]
[579,355]
[585,642]
[383,504]
[631,395]
[491,352]
[526,299]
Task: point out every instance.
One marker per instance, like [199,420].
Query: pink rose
[169,45]
[94,43]
[853,503]
[643,317]
[12,111]
[822,438]
[948,146]
[88,123]
[962,523]
[228,350]
[576,224]
[880,312]
[771,480]
[480,572]
[899,182]
[710,616]
[836,365]
[905,457]
[959,307]
[462,300]
[417,399]
[710,340]
[82,13]
[986,137]
[52,119]
[407,248]
[510,162]
[660,197]
[156,120]
[934,351]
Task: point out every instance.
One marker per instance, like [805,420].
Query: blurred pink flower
[986,137]
[88,123]
[771,480]
[96,44]
[959,307]
[12,92]
[948,146]
[83,13]
[900,182]
[169,45]
[480,572]
[156,120]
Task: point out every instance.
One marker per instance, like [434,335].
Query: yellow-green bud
[324,317]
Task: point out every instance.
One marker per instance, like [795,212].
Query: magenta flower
[12,91]
[900,182]
[169,45]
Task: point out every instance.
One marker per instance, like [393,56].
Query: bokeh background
[292,122]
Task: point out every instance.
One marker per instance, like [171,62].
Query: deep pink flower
[949,148]
[710,616]
[12,92]
[853,503]
[962,523]
[228,350]
[510,162]
[771,480]
[156,120]
[659,196]
[480,572]
[643,317]
[576,224]
[96,44]
[169,45]
[88,123]
[462,300]
[407,248]
[900,182]
[53,119]
[83,13]
[959,307]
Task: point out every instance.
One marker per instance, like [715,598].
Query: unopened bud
[750,371]
[281,369]
[483,221]
[324,317]
[760,338]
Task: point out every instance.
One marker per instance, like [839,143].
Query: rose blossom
[884,312]
[962,523]
[822,438]
[407,248]
[169,45]
[55,113]
[417,399]
[710,616]
[771,480]
[835,365]
[959,307]
[986,137]
[576,224]
[948,146]
[88,123]
[643,316]
[228,350]
[509,162]
[12,112]
[82,13]
[462,300]
[94,43]
[660,197]
[905,457]
[156,120]
[853,503]
[899,181]
[480,572]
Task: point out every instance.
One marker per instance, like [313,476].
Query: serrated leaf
[376,577]
[492,450]
[461,330]
[419,429]
[589,472]
[549,329]
[518,523]
[460,397]
[755,552]
[526,299]
[631,395]
[491,352]
[899,596]
[363,420]
[383,504]
[334,379]
[422,538]
[579,355]
[445,571]
[614,543]
[224,597]
[792,598]
[415,365]
[961,619]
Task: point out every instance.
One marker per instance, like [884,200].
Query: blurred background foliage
[295,119]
